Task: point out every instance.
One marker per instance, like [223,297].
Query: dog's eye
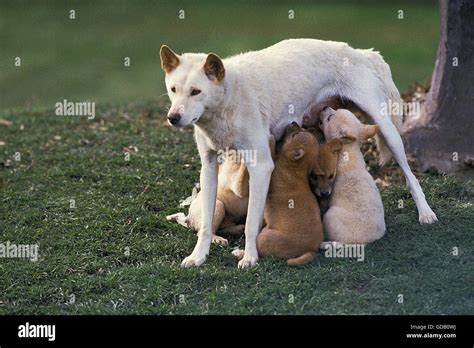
[173,89]
[331,176]
[195,91]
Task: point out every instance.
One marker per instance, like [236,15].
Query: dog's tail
[391,96]
[302,260]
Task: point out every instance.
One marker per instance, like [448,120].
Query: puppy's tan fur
[293,233]
[356,213]
[231,202]
[322,183]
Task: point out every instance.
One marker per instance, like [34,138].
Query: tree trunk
[440,138]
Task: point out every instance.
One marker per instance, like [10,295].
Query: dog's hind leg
[236,229]
[271,242]
[219,215]
[394,142]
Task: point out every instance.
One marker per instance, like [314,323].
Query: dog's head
[343,124]
[195,83]
[300,148]
[322,183]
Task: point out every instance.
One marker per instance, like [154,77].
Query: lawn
[67,183]
[83,58]
[115,252]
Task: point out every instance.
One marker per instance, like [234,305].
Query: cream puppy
[231,202]
[355,214]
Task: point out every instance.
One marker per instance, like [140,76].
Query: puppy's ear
[169,59]
[297,154]
[214,68]
[347,138]
[369,131]
[335,145]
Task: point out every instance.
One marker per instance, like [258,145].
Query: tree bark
[440,138]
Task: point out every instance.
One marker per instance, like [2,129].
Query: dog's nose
[325,194]
[174,118]
[294,123]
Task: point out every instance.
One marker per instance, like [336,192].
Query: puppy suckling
[356,214]
[231,203]
[293,228]
[323,182]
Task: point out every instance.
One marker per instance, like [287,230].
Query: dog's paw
[427,217]
[218,240]
[248,261]
[238,253]
[193,260]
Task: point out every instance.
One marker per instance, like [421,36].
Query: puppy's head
[194,82]
[343,124]
[322,182]
[300,147]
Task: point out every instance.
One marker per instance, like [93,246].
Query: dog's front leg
[260,172]
[208,180]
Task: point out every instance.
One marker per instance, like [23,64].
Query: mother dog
[239,102]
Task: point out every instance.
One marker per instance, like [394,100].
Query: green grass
[122,204]
[82,59]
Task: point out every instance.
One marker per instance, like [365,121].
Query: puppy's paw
[248,261]
[178,218]
[193,260]
[218,240]
[238,253]
[427,217]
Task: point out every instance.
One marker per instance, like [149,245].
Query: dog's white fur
[260,94]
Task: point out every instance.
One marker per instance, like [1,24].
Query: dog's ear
[297,154]
[214,68]
[369,131]
[169,59]
[335,145]
[346,137]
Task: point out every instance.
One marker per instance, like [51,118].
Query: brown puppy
[322,184]
[294,230]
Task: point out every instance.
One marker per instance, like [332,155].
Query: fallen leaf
[5,122]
